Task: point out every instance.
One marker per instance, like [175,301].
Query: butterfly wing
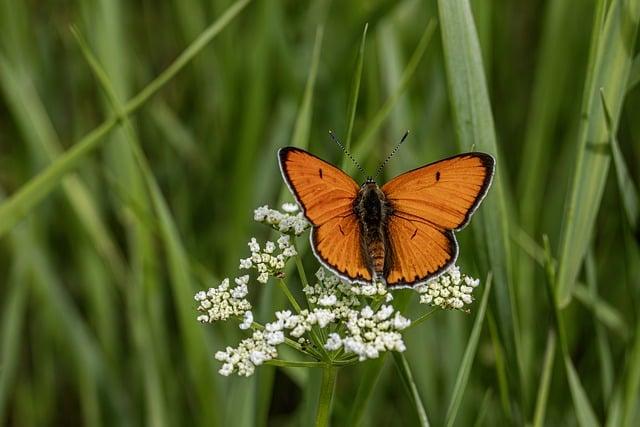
[326,195]
[429,203]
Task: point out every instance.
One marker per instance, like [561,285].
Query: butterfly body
[400,233]
[372,210]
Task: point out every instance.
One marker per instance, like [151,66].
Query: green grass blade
[410,387]
[302,127]
[581,405]
[628,191]
[39,133]
[370,373]
[603,311]
[610,65]
[86,359]
[355,92]
[584,412]
[365,143]
[13,319]
[485,406]
[200,364]
[473,122]
[469,355]
[551,74]
[545,380]
[634,75]
[38,187]
[501,366]
[632,381]
[604,351]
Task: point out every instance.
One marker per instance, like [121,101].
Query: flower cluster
[266,260]
[287,222]
[224,301]
[369,332]
[342,322]
[251,352]
[450,290]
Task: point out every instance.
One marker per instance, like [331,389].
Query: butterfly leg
[379,278]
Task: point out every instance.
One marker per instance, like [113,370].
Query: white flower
[242,280]
[240,291]
[451,290]
[248,320]
[219,303]
[250,353]
[290,207]
[254,246]
[275,337]
[266,261]
[269,247]
[328,300]
[288,222]
[334,342]
[322,317]
[226,369]
[257,357]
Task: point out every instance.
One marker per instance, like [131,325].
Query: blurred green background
[101,255]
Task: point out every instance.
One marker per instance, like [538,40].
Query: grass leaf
[355,92]
[38,187]
[474,127]
[469,355]
[628,191]
[610,64]
[411,388]
[365,143]
[545,380]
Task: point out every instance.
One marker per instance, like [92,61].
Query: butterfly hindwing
[419,250]
[326,195]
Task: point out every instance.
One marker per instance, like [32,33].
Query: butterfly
[400,233]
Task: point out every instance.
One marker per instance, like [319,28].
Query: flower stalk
[325,399]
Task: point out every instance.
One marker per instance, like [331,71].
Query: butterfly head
[369,180]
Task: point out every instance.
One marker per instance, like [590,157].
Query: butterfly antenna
[355,162]
[393,152]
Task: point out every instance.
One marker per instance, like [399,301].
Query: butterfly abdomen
[372,209]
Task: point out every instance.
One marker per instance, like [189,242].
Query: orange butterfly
[400,233]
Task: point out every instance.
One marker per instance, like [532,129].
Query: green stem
[308,364]
[290,297]
[422,318]
[327,387]
[313,333]
[303,275]
[295,364]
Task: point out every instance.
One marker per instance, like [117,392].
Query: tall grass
[136,138]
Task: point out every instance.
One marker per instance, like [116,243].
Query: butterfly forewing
[325,195]
[445,193]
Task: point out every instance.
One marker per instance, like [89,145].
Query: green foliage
[137,137]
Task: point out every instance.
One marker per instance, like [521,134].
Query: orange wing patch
[419,250]
[337,243]
[444,193]
[326,195]
[322,190]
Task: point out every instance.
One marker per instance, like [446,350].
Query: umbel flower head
[339,323]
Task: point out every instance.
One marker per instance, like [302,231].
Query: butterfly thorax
[372,209]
